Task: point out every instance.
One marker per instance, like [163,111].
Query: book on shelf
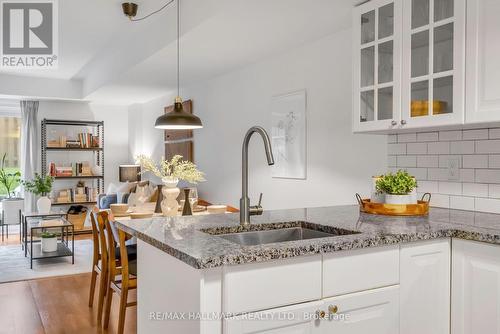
[75,169]
[72,195]
[88,140]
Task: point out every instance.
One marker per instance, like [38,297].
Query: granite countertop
[182,237]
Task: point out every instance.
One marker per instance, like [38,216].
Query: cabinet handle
[320,314]
[394,123]
[403,122]
[333,309]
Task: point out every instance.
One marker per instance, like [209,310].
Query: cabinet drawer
[260,286]
[358,270]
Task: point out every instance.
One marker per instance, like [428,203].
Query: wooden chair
[122,275]
[99,261]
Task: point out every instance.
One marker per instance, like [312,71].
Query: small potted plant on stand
[49,242]
[171,172]
[399,188]
[9,180]
[40,186]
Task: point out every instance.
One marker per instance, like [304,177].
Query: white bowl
[216,208]
[119,209]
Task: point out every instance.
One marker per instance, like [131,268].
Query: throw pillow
[111,189]
[143,193]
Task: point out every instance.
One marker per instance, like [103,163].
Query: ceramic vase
[43,205]
[169,204]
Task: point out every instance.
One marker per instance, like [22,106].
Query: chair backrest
[95,236]
[11,211]
[102,219]
[110,242]
[123,257]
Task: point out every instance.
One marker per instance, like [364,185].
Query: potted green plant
[40,186]
[171,172]
[399,188]
[49,242]
[9,181]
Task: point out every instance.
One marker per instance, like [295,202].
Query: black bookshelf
[96,129]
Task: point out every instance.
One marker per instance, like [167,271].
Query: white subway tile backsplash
[494,190]
[494,161]
[392,161]
[427,187]
[475,161]
[419,173]
[428,161]
[443,160]
[467,175]
[488,176]
[495,133]
[427,155]
[462,147]
[440,201]
[438,148]
[475,134]
[475,189]
[462,203]
[488,146]
[416,148]
[395,149]
[407,137]
[450,188]
[427,136]
[487,205]
[407,161]
[450,135]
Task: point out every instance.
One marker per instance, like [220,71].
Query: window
[10,138]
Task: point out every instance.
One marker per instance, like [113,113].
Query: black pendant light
[178,119]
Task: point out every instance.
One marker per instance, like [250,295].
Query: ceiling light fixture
[178,119]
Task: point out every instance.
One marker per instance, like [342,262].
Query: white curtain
[29,147]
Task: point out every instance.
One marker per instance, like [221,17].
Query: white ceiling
[123,62]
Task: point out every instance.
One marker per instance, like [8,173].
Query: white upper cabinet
[377,65]
[433,63]
[409,64]
[483,66]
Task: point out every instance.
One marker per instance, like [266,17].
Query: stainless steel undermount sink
[282,234]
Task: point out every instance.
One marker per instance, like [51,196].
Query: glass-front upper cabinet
[377,65]
[433,62]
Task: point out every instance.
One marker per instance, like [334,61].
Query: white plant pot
[49,245]
[43,205]
[401,199]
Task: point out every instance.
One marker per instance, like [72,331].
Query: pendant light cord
[152,13]
[178,46]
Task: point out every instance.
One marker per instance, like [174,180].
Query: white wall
[116,140]
[339,163]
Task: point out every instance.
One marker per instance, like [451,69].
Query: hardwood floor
[56,305]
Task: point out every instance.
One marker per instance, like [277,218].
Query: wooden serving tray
[419,209]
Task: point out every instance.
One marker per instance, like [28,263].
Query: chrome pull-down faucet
[245,209]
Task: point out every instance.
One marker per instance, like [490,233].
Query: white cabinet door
[373,311]
[295,319]
[483,67]
[433,63]
[475,288]
[376,65]
[425,287]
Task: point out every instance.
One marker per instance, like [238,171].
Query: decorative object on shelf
[399,188]
[186,210]
[170,172]
[288,136]
[40,186]
[76,215]
[178,119]
[130,173]
[49,242]
[418,209]
[97,170]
